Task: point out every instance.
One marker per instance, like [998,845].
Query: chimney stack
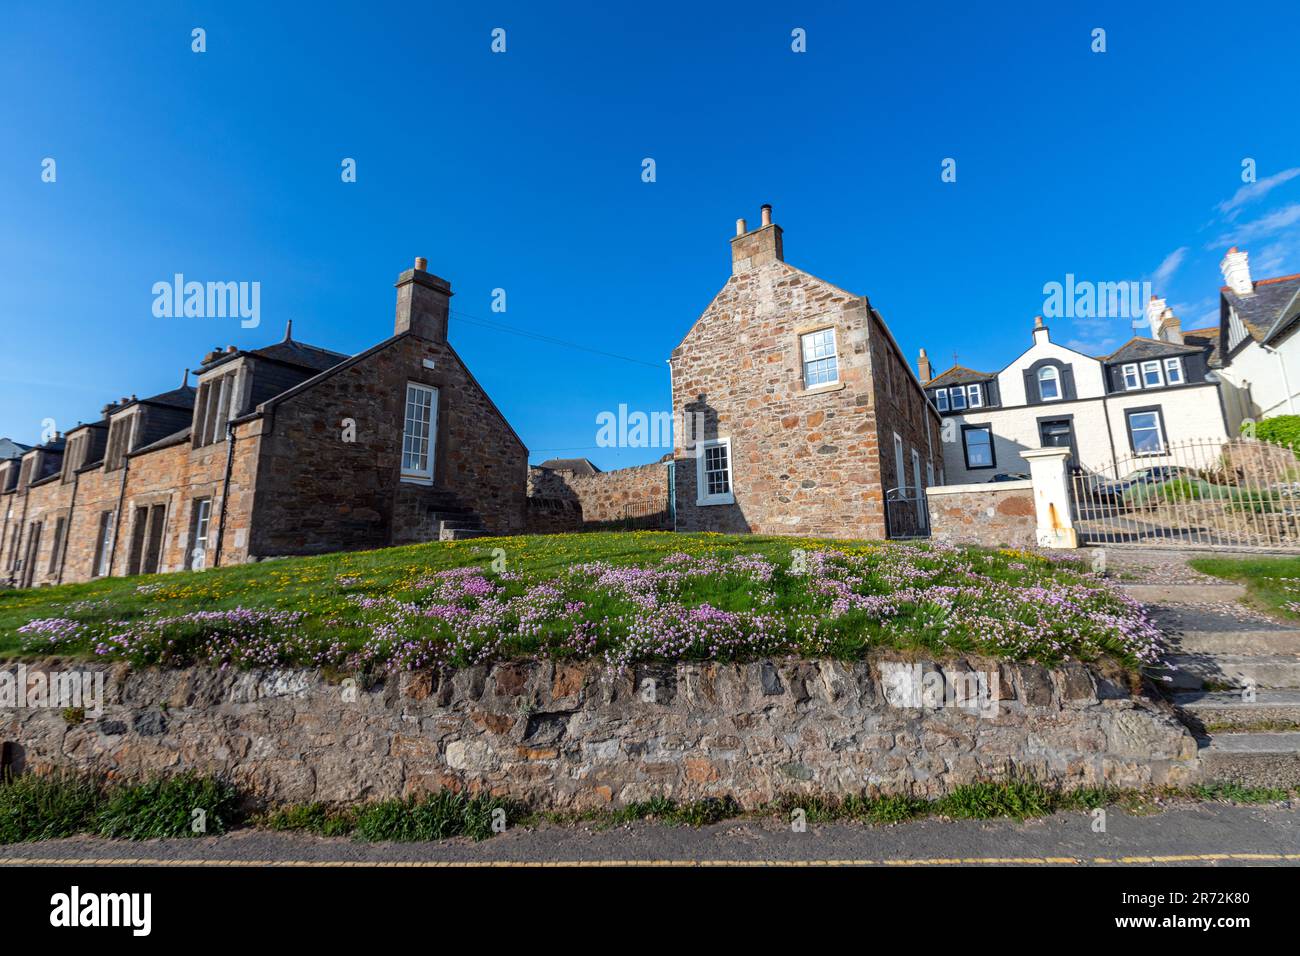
[923,371]
[1165,326]
[1236,272]
[750,250]
[1041,335]
[423,301]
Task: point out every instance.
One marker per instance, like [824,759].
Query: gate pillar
[1052,496]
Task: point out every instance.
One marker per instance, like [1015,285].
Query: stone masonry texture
[569,735]
[805,461]
[988,515]
[636,496]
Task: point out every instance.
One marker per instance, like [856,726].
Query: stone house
[289,449]
[1128,406]
[797,412]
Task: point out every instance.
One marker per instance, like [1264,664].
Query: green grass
[328,595]
[437,816]
[184,805]
[1236,793]
[1272,584]
[48,806]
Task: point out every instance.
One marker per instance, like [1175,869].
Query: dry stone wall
[566,735]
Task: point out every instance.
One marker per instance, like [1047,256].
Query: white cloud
[1253,191]
[1165,271]
[1261,228]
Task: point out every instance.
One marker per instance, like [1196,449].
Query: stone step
[459,534]
[1234,670]
[1184,593]
[1281,643]
[1228,707]
[1256,760]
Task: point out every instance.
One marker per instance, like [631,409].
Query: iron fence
[1238,493]
[907,513]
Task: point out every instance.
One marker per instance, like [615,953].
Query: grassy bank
[1272,584]
[622,597]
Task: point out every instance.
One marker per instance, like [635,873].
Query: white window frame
[974,397]
[916,477]
[1160,432]
[1134,383]
[423,476]
[900,463]
[941,399]
[1152,365]
[821,354]
[1049,373]
[702,497]
[202,523]
[1174,372]
[958,393]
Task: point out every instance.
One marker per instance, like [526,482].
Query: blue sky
[522,171]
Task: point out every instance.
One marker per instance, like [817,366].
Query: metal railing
[907,513]
[1214,493]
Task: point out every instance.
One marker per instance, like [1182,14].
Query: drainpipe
[225,492]
[672,404]
[117,515]
[67,530]
[1286,382]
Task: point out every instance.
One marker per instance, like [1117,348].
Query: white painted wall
[1089,381]
[1100,429]
[1272,379]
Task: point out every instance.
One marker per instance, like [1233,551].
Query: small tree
[1280,430]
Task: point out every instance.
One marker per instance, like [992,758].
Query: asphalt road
[1207,834]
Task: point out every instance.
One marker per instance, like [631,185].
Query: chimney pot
[423,303]
[751,250]
[1236,272]
[766,212]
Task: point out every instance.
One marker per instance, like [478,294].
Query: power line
[487,324]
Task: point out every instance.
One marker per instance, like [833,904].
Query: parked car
[1008,476]
[1132,488]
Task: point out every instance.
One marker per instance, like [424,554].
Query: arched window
[1049,383]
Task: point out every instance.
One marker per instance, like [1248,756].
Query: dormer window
[1174,371]
[73,455]
[119,441]
[1049,383]
[212,410]
[958,398]
[941,399]
[1131,378]
[1151,375]
[974,398]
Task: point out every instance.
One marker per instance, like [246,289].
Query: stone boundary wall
[999,514]
[601,500]
[563,735]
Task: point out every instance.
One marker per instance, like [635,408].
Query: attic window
[1131,379]
[974,398]
[941,399]
[1151,376]
[1174,371]
[958,398]
[1049,383]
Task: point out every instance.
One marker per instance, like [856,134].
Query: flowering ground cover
[617,597]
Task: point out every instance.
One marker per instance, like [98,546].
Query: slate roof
[175,438]
[182,397]
[1207,339]
[1270,311]
[579,466]
[1140,347]
[12,449]
[959,375]
[300,354]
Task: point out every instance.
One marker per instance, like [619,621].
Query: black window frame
[965,447]
[1164,432]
